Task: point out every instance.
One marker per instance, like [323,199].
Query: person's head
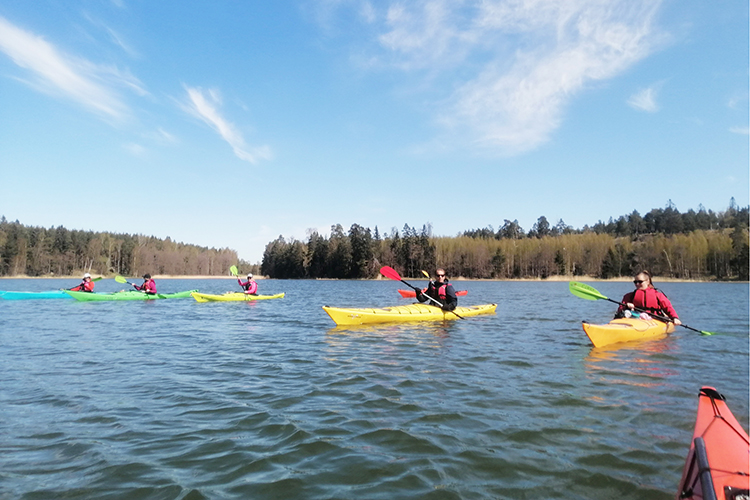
[146,276]
[642,280]
[87,276]
[440,273]
[249,276]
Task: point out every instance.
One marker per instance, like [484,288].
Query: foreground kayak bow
[717,466]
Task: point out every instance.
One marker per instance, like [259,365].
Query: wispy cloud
[644,100]
[57,73]
[740,130]
[205,106]
[134,149]
[514,65]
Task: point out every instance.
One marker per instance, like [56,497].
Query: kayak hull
[51,294]
[717,465]
[233,297]
[127,295]
[626,330]
[410,294]
[401,314]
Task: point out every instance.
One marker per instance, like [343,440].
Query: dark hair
[146,276]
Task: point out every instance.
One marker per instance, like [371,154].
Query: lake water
[173,399]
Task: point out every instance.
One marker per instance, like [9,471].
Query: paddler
[441,291]
[647,298]
[148,285]
[86,285]
[250,286]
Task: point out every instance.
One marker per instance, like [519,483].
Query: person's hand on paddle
[677,321]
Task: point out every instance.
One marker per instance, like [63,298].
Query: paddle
[233,270]
[120,279]
[590,293]
[391,273]
[426,274]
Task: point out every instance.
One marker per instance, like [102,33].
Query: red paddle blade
[389,272]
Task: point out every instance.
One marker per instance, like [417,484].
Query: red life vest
[647,299]
[441,291]
[86,286]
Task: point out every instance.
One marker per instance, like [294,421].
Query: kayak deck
[399,314]
[233,297]
[626,330]
[717,464]
[127,295]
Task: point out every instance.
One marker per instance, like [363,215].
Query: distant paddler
[250,286]
[148,286]
[440,291]
[87,285]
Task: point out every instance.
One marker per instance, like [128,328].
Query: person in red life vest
[148,285]
[86,285]
[441,291]
[646,297]
[250,286]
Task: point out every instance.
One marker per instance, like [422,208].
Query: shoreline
[551,279]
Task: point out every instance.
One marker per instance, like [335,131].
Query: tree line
[690,245]
[38,251]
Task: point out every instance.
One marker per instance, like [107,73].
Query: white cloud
[740,130]
[513,65]
[56,73]
[204,106]
[644,100]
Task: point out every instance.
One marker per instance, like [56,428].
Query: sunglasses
[638,282]
[441,276]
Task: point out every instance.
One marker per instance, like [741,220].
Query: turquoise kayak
[51,294]
[128,295]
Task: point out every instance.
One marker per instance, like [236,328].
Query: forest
[36,251]
[701,245]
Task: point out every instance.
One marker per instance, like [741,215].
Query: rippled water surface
[173,399]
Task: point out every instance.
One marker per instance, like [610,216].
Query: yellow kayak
[233,297]
[399,314]
[625,330]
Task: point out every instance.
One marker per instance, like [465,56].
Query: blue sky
[227,124]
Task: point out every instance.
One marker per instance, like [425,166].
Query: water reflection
[438,329]
[628,363]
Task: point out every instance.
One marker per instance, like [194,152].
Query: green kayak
[127,295]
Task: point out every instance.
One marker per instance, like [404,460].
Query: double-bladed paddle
[590,293]
[391,273]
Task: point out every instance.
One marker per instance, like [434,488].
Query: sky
[229,124]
